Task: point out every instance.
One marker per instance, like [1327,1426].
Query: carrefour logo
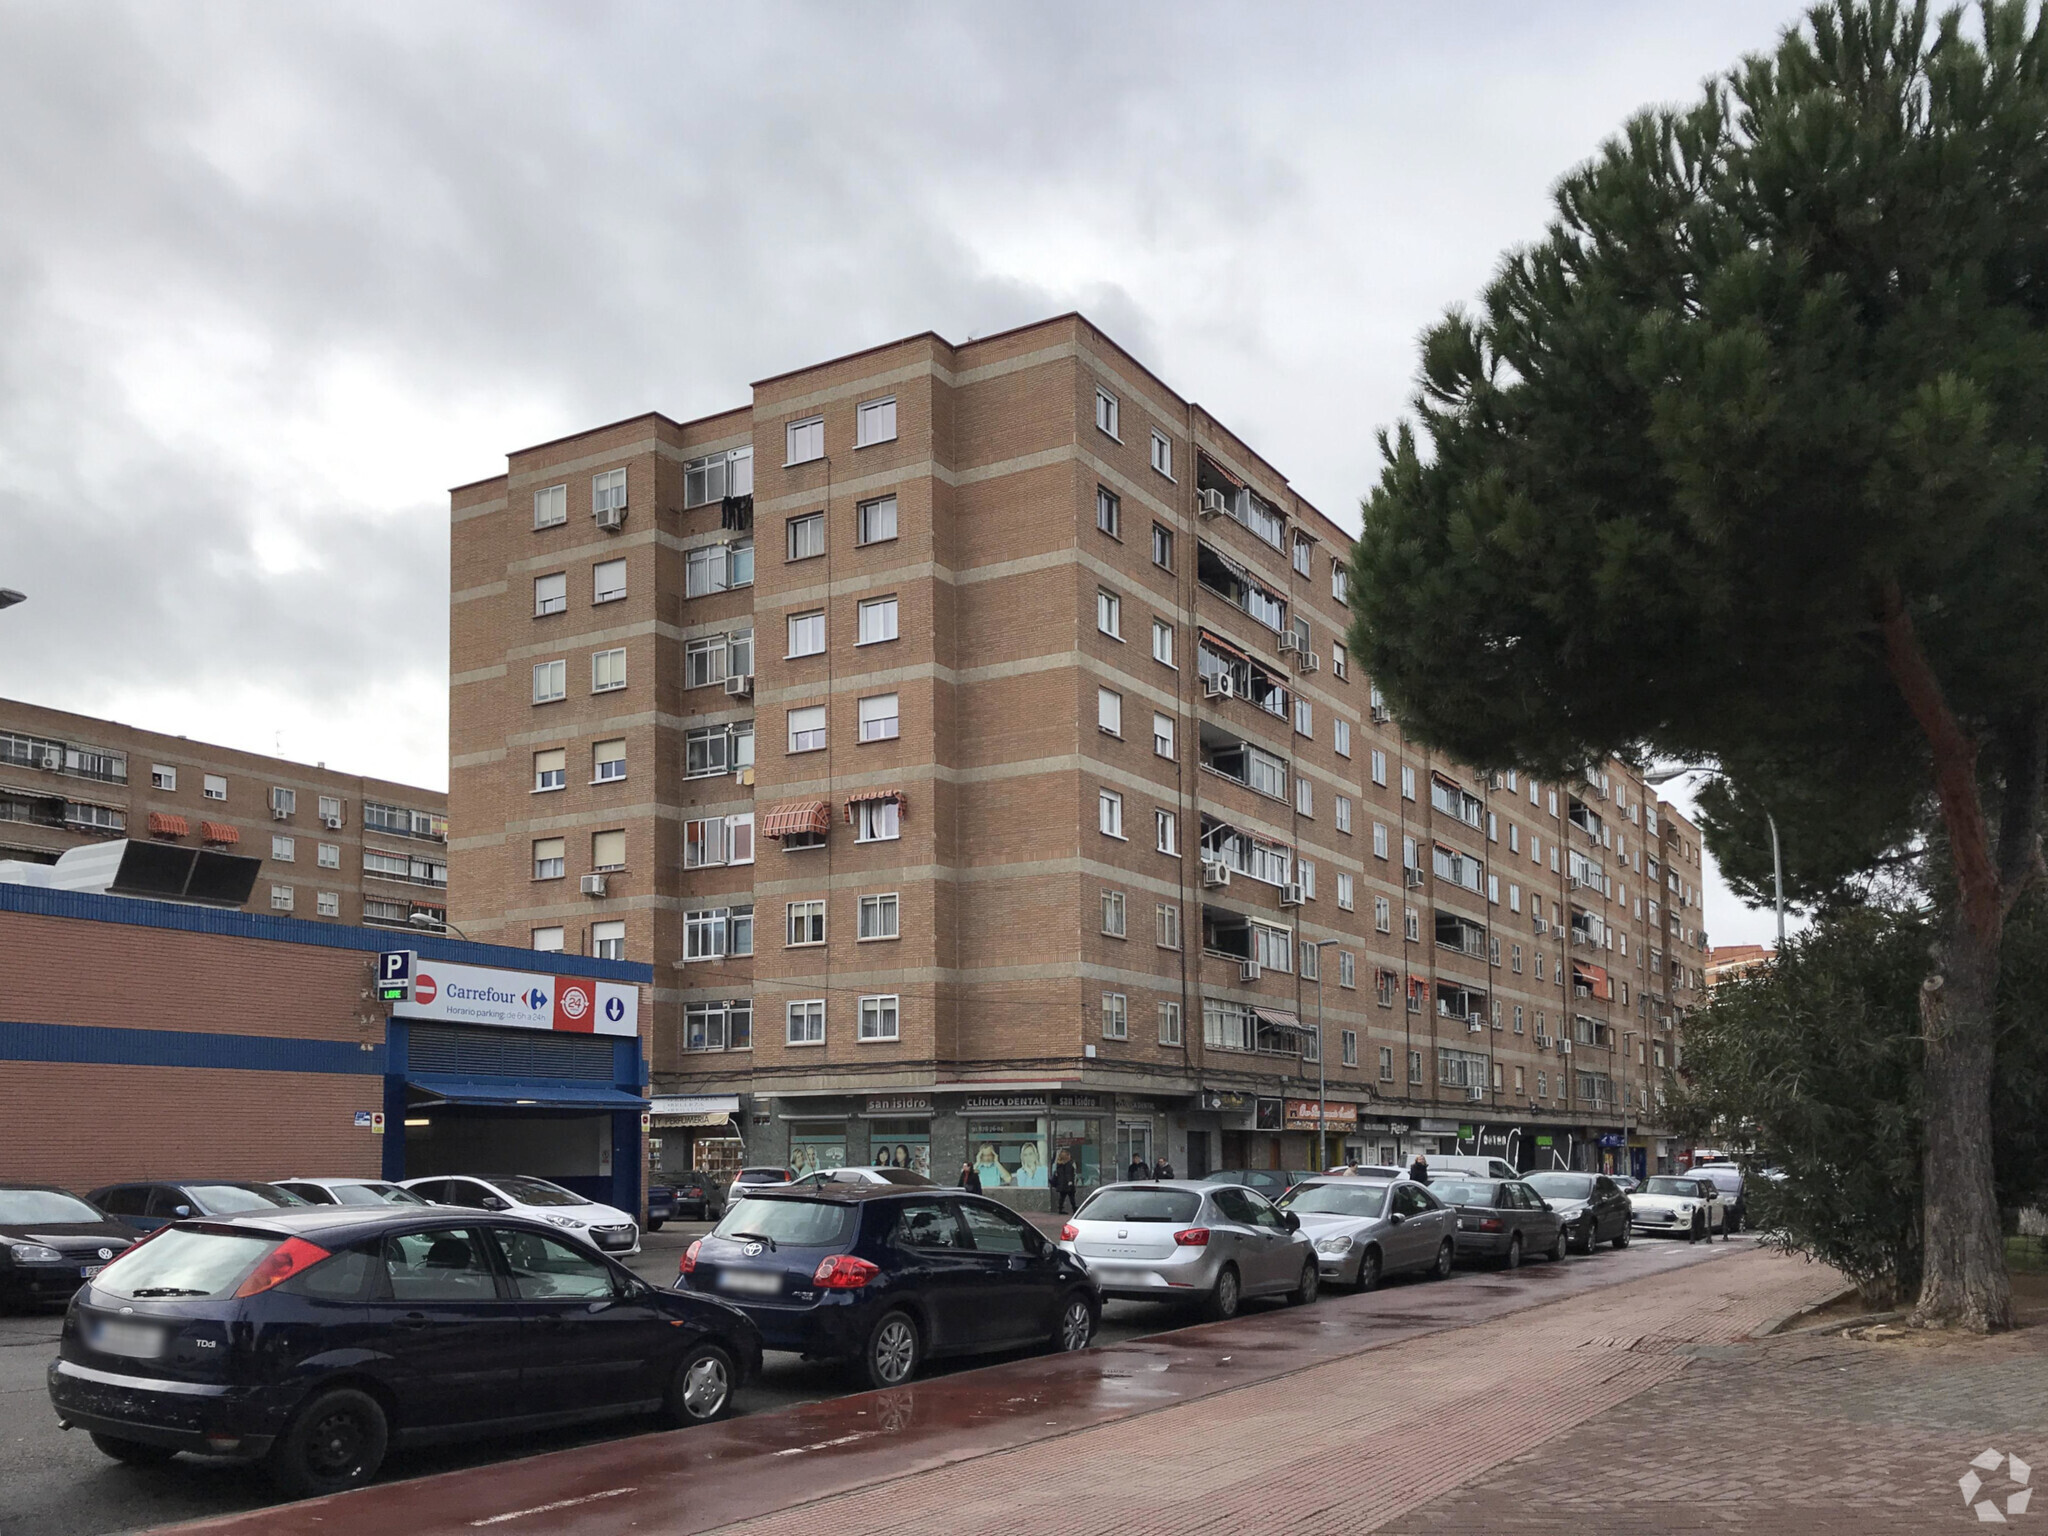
[535,998]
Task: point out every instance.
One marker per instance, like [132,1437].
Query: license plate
[752,1281]
[90,1270]
[138,1341]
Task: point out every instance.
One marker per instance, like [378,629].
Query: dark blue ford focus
[887,1277]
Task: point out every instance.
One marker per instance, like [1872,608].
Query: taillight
[844,1272]
[1069,1232]
[1192,1237]
[687,1264]
[280,1264]
[1490,1223]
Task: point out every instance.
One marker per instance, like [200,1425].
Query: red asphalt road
[700,1479]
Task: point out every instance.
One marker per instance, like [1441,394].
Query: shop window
[1008,1154]
[812,1150]
[905,1144]
[1133,1144]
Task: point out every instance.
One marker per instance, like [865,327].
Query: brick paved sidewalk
[1379,1440]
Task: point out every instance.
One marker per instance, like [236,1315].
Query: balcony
[1234,758]
[1236,585]
[1217,488]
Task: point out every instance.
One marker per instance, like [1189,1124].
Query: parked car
[1471,1168]
[51,1241]
[1594,1207]
[1361,1171]
[1182,1240]
[699,1196]
[886,1276]
[1627,1182]
[605,1226]
[149,1204]
[313,1339]
[758,1178]
[902,1177]
[1501,1221]
[1726,1176]
[1684,1203]
[349,1192]
[1270,1182]
[1366,1229]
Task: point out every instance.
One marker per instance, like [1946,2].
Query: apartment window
[608,760]
[1379,839]
[328,856]
[1514,897]
[330,810]
[1379,768]
[1415,1067]
[1386,1063]
[874,421]
[608,581]
[1106,413]
[328,903]
[550,594]
[1109,711]
[1340,662]
[879,917]
[1340,581]
[1347,974]
[280,898]
[1166,832]
[874,522]
[878,617]
[877,821]
[608,850]
[717,476]
[1304,555]
[1413,921]
[878,1018]
[1346,891]
[878,718]
[807,536]
[163,777]
[1116,1019]
[804,440]
[1162,547]
[1109,512]
[807,1022]
[550,682]
[1109,613]
[707,750]
[1162,642]
[710,568]
[1407,782]
[1343,738]
[1304,795]
[1304,718]
[608,941]
[707,661]
[285,802]
[1166,926]
[608,491]
[1113,914]
[1515,961]
[1305,872]
[807,633]
[1350,1047]
[1311,962]
[607,670]
[551,506]
[550,858]
[807,729]
[1518,1018]
[704,933]
[284,849]
[1162,734]
[1343,813]
[1162,454]
[550,769]
[1169,1023]
[1109,813]
[806,923]
[1382,914]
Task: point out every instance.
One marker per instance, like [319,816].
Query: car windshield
[530,1191]
[1136,1203]
[227,1199]
[1563,1186]
[51,1207]
[180,1262]
[1463,1191]
[373,1194]
[1337,1199]
[1664,1186]
[796,1223]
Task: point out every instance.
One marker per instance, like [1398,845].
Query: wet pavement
[697,1480]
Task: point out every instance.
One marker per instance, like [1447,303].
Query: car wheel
[1557,1246]
[655,1226]
[701,1389]
[1441,1269]
[136,1453]
[1621,1237]
[893,1351]
[336,1442]
[1368,1270]
[1582,1239]
[1512,1259]
[1077,1324]
[1311,1282]
[1222,1302]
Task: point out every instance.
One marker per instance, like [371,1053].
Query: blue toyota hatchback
[886,1277]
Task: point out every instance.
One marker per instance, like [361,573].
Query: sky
[273,278]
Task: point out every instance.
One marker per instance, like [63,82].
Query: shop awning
[164,824]
[520,1092]
[795,816]
[719,1104]
[689,1122]
[1594,976]
[219,832]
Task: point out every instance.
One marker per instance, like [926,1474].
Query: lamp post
[1322,1064]
[1777,861]
[439,924]
[1626,1151]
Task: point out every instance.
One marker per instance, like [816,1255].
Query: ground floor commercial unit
[146,1040]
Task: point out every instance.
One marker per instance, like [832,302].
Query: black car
[1594,1207]
[146,1205]
[51,1241]
[887,1277]
[315,1338]
[1501,1221]
[691,1196]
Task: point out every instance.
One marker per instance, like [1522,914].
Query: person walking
[1138,1172]
[1162,1169]
[1063,1182]
[1419,1169]
[969,1179]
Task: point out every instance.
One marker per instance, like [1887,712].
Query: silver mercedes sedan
[1179,1240]
[1366,1229]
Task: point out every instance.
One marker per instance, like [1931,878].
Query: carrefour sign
[475,994]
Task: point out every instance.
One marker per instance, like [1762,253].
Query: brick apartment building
[336,847]
[966,736]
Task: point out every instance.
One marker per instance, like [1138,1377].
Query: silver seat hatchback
[1179,1240]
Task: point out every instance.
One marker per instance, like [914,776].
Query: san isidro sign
[477,994]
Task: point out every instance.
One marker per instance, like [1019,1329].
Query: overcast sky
[272,278]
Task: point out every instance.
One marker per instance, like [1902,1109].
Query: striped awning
[796,816]
[874,797]
[165,824]
[219,832]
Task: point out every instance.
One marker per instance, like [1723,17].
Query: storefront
[1340,1122]
[695,1133]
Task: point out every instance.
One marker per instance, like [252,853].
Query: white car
[1678,1204]
[350,1192]
[602,1226]
[858,1175]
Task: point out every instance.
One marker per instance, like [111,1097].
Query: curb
[1781,1325]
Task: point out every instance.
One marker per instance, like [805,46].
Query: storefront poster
[809,1153]
[1008,1154]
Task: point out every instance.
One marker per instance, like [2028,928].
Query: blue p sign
[394,965]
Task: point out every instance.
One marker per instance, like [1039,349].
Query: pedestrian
[1162,1169]
[1419,1169]
[1063,1181]
[1138,1172]
[969,1179]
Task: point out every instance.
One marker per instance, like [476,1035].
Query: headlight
[563,1221]
[1333,1245]
[1685,1207]
[34,1253]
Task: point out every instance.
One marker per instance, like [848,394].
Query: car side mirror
[1293,1221]
[496,1203]
[182,1211]
[1396,1219]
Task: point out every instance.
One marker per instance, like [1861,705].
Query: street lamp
[9,597]
[1777,862]
[439,924]
[1322,1063]
[1627,1035]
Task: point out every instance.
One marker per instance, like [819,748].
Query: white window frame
[608,491]
[874,421]
[1166,832]
[798,531]
[1162,453]
[163,776]
[328,856]
[1109,513]
[867,517]
[599,592]
[1169,1023]
[550,594]
[608,670]
[1109,813]
[803,442]
[804,1021]
[1162,735]
[880,1018]
[1109,613]
[551,506]
[1162,644]
[550,681]
[877,723]
[607,934]
[1115,915]
[1116,1016]
[799,735]
[599,764]
[801,629]
[1166,926]
[284,849]
[281,898]
[1341,737]
[1109,712]
[880,619]
[327,903]
[881,904]
[1108,410]
[878,821]
[811,913]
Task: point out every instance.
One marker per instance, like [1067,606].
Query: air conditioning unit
[1542,925]
[1542,1041]
[1577,884]
[1414,877]
[331,823]
[1289,641]
[1308,660]
[1473,1026]
[1215,872]
[593,885]
[1211,504]
[1291,894]
[1218,685]
[279,813]
[1564,1045]
[611,519]
[740,685]
[52,761]
[1249,971]
[1381,714]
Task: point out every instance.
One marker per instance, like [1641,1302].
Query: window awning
[219,832]
[519,1092]
[1220,472]
[164,824]
[1215,642]
[797,816]
[1593,975]
[1279,1018]
[875,797]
